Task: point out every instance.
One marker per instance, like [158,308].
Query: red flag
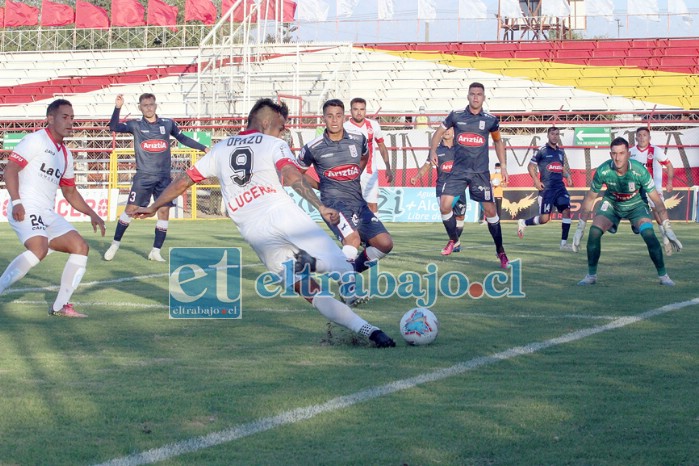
[268,10]
[162,14]
[20,14]
[56,14]
[200,10]
[2,16]
[89,16]
[127,13]
[241,10]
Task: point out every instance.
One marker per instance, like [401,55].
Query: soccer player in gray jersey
[472,126]
[549,162]
[151,136]
[339,158]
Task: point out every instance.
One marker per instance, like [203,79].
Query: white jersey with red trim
[653,158]
[247,167]
[45,167]
[373,134]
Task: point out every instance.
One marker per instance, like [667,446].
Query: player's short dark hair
[279,108]
[476,84]
[619,142]
[643,128]
[53,106]
[552,129]
[333,103]
[497,164]
[357,100]
[145,96]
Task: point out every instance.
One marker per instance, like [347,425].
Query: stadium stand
[585,75]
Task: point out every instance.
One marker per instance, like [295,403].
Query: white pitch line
[301,414]
[88,304]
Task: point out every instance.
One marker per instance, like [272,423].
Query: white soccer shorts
[370,187]
[45,222]
[282,230]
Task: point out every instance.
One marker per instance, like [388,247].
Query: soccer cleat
[449,248]
[521,226]
[667,246]
[154,255]
[588,280]
[457,247]
[355,301]
[381,340]
[111,252]
[66,311]
[665,280]
[302,259]
[567,247]
[504,261]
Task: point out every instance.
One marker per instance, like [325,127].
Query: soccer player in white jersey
[249,166]
[654,159]
[358,123]
[38,166]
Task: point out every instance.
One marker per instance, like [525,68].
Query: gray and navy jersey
[337,165]
[152,142]
[471,134]
[550,161]
[445,161]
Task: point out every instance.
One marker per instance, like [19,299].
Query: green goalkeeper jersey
[623,190]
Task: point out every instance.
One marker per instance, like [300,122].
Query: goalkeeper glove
[669,234]
[579,233]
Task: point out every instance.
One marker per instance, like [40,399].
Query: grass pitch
[128,380]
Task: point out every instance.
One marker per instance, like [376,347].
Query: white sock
[17,269]
[374,254]
[339,313]
[72,274]
[350,252]
[124,218]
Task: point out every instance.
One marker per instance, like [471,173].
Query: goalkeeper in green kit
[624,179]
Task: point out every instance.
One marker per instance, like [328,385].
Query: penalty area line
[301,414]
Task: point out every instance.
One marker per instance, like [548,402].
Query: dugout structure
[201,201]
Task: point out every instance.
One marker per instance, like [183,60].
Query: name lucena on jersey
[154,145]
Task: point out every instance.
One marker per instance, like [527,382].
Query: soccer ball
[419,326]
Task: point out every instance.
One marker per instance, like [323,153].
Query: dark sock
[496,233]
[565,229]
[159,237]
[120,230]
[654,250]
[594,249]
[450,226]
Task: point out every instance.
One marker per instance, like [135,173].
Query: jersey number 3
[241,164]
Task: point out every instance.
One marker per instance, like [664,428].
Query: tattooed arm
[291,176]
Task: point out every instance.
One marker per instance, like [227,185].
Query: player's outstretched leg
[341,314]
[17,269]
